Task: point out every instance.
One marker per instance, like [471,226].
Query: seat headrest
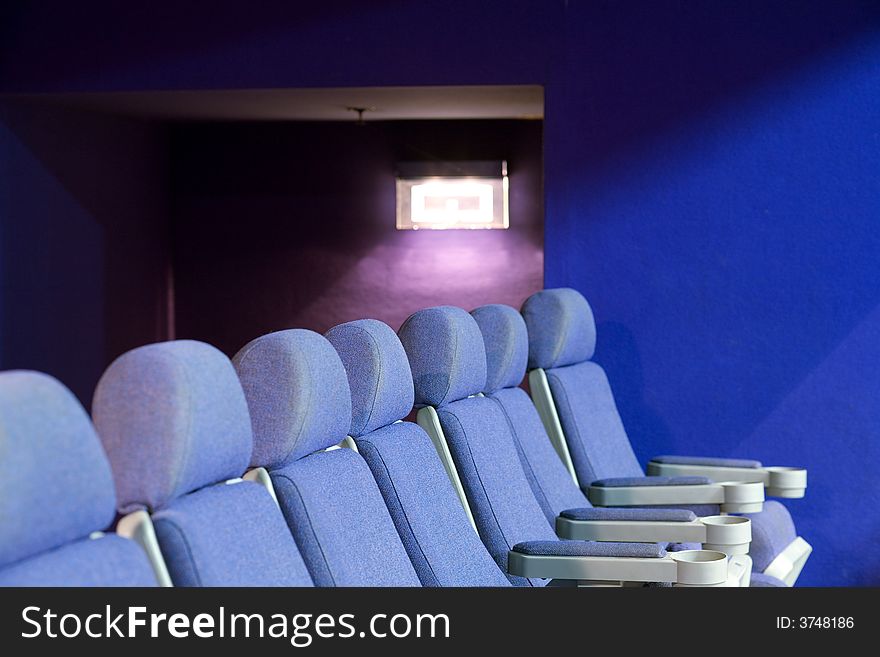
[507,345]
[446,355]
[173,419]
[561,328]
[298,395]
[378,373]
[55,482]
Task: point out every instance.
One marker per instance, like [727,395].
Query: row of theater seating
[291,465]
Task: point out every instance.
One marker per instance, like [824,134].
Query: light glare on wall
[456,195]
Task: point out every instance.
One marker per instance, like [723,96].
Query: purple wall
[292,225]
[82,241]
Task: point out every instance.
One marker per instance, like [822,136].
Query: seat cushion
[338,517]
[501,499]
[550,480]
[597,441]
[772,531]
[436,532]
[107,561]
[229,535]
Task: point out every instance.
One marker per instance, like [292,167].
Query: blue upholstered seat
[300,405]
[506,342]
[175,425]
[55,491]
[448,362]
[561,341]
[429,517]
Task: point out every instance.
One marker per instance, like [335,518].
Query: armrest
[589,561]
[711,461]
[638,515]
[616,482]
[729,534]
[780,481]
[732,496]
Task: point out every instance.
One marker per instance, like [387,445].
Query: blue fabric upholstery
[647,515]
[297,393]
[590,549]
[426,511]
[760,580]
[378,373]
[107,561]
[55,482]
[772,531]
[597,441]
[618,482]
[507,345]
[551,483]
[176,423]
[228,535]
[708,460]
[561,328]
[446,355]
[501,500]
[173,419]
[561,340]
[337,515]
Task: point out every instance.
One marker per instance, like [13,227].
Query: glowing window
[439,202]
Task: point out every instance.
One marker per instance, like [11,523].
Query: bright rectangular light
[445,202]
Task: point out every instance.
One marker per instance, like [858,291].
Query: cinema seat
[175,425]
[430,519]
[578,410]
[564,505]
[56,493]
[300,405]
[447,358]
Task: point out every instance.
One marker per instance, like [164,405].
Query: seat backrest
[507,349]
[429,517]
[448,361]
[562,340]
[300,404]
[175,425]
[56,491]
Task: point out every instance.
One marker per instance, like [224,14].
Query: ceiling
[332,104]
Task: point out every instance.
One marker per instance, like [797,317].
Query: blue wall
[714,190]
[711,184]
[83,260]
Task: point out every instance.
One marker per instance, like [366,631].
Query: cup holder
[728,534]
[700,567]
[783,481]
[742,496]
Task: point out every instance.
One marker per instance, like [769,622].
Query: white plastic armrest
[729,534]
[739,571]
[732,496]
[687,568]
[788,564]
[779,481]
[138,526]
